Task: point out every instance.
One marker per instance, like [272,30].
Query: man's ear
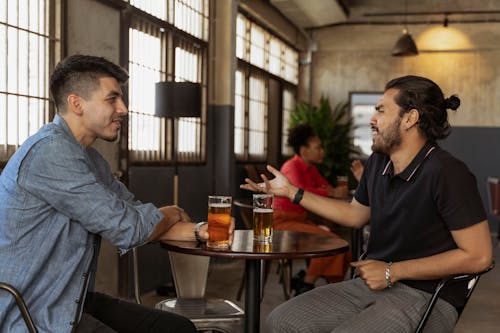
[412,118]
[75,104]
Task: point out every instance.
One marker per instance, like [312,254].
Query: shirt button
[84,275]
[72,323]
[77,301]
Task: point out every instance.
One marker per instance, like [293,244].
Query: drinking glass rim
[220,197]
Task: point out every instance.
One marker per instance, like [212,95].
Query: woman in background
[301,171]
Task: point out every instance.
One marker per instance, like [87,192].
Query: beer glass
[342,191]
[219,220]
[263,217]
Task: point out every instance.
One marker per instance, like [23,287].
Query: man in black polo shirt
[426,216]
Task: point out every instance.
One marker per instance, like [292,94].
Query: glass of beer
[219,220]
[263,217]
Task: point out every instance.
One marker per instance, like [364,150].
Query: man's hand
[357,169]
[373,273]
[203,233]
[279,185]
[174,214]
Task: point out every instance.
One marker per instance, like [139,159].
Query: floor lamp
[174,100]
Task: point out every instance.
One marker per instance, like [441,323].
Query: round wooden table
[285,245]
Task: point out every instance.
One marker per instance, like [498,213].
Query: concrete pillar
[220,116]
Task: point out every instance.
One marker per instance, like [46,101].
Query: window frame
[174,36]
[54,23]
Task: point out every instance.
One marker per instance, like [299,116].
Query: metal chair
[21,305]
[493,190]
[190,277]
[452,279]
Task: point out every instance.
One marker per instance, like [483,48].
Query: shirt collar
[412,168]
[59,121]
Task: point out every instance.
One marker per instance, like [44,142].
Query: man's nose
[121,107]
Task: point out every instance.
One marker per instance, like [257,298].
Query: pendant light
[405,45]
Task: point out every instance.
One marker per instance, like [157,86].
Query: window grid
[191,130]
[190,16]
[158,53]
[24,71]
[146,134]
[257,118]
[288,107]
[240,128]
[251,116]
[259,47]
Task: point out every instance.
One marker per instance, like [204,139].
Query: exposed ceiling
[314,14]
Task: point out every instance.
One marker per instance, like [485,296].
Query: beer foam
[263,210]
[219,205]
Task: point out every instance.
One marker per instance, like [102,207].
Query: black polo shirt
[413,212]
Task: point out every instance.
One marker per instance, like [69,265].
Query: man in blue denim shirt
[58,197]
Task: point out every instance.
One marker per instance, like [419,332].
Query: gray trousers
[351,307]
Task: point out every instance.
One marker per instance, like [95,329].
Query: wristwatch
[197,231]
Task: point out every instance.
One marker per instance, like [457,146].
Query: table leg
[252,295]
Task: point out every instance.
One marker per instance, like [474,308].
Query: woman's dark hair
[80,74]
[299,136]
[426,97]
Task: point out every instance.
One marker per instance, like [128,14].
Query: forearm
[350,214]
[181,231]
[474,254]
[446,263]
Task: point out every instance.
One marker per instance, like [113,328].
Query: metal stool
[190,277]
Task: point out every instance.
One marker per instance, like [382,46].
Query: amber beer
[263,217]
[219,220]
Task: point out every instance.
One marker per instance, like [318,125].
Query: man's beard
[386,141]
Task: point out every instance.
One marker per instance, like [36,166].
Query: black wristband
[298,196]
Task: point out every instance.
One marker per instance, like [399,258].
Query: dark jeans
[106,314]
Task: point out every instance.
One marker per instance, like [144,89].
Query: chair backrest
[21,305]
[472,280]
[493,190]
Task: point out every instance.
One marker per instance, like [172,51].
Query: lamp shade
[405,46]
[177,99]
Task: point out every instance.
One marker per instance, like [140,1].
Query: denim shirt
[56,200]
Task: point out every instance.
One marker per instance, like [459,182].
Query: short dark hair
[426,97]
[80,74]
[299,136]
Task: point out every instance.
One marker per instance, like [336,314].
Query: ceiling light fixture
[405,45]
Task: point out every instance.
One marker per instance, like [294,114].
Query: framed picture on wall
[362,109]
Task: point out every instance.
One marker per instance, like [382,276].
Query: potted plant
[334,129]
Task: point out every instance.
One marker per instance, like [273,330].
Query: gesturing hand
[279,185]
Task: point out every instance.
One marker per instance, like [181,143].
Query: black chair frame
[449,280]
[21,306]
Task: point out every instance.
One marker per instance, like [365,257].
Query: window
[261,55]
[145,69]
[24,71]
[190,16]
[250,139]
[257,118]
[362,109]
[259,47]
[158,53]
[288,107]
[191,138]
